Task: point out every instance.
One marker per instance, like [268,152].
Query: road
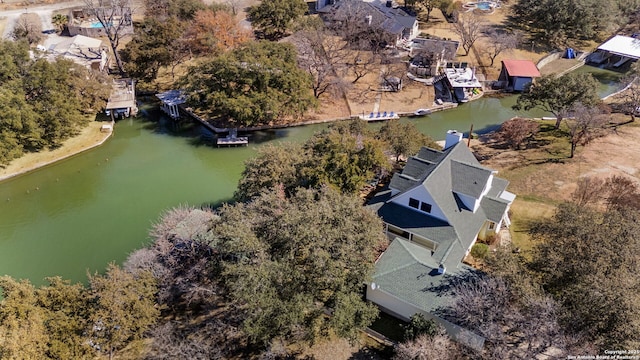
[44,11]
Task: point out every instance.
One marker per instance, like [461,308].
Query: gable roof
[443,174]
[468,179]
[522,68]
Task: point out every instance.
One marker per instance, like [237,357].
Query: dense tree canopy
[558,94]
[346,156]
[156,43]
[404,138]
[287,260]
[589,262]
[272,19]
[559,21]
[258,83]
[43,102]
[68,321]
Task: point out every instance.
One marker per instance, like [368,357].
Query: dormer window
[414,203]
[425,207]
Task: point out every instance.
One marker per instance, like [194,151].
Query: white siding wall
[420,193]
[470,202]
[405,310]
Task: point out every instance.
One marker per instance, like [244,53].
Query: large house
[434,211]
[398,26]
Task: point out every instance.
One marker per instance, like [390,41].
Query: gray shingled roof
[439,173]
[494,208]
[404,272]
[392,20]
[468,179]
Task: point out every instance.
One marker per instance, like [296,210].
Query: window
[492,225]
[425,207]
[414,203]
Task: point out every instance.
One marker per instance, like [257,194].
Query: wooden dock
[232,139]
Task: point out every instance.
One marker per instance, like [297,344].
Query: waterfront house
[88,52]
[397,26]
[434,211]
[516,74]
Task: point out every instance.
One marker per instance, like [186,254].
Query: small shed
[518,73]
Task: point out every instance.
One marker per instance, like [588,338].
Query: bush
[480,251]
[420,326]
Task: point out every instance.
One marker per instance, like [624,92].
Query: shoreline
[86,140]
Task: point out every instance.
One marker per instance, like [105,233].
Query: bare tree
[360,27]
[425,347]
[515,131]
[362,63]
[115,18]
[499,42]
[631,95]
[28,27]
[469,28]
[585,123]
[321,56]
[588,191]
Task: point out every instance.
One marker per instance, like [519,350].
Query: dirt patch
[534,177]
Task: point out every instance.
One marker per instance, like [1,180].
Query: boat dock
[232,139]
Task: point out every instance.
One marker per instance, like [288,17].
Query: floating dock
[233,139]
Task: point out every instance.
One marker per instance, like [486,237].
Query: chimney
[389,3]
[368,19]
[453,137]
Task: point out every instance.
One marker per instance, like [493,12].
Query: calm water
[82,213]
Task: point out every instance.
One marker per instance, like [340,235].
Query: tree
[23,332]
[213,32]
[42,323]
[272,19]
[345,157]
[516,130]
[429,5]
[586,124]
[115,18]
[558,94]
[558,21]
[404,138]
[258,83]
[274,166]
[588,261]
[183,10]
[631,93]
[123,307]
[28,27]
[155,44]
[321,55]
[426,346]
[469,28]
[419,325]
[514,325]
[60,21]
[287,260]
[500,42]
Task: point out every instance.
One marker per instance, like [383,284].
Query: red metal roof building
[518,73]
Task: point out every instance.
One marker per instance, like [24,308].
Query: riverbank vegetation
[43,103]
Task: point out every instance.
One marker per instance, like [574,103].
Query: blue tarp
[570,54]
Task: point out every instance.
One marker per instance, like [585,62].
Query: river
[79,214]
